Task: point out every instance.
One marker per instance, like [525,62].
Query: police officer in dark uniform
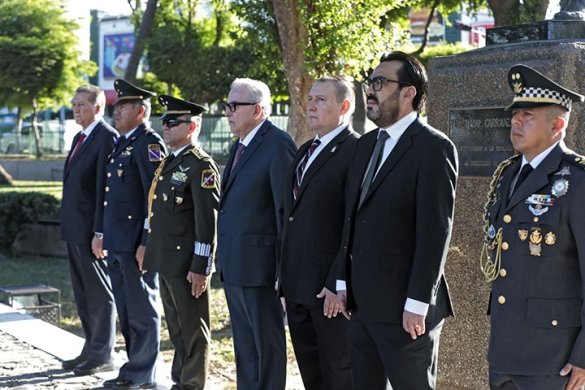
[136,155]
[181,242]
[534,248]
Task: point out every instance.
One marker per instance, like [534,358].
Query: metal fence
[56,137]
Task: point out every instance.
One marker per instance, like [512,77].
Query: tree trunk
[5,177]
[293,37]
[359,115]
[18,132]
[36,128]
[140,40]
[426,35]
[505,11]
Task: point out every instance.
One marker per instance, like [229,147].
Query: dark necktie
[239,152]
[526,169]
[169,159]
[376,157]
[301,168]
[77,146]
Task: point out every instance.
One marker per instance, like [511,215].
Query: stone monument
[467,96]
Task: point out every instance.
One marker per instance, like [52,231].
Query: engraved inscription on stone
[482,137]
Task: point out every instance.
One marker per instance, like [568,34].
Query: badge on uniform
[208,179]
[564,171]
[165,197]
[184,169]
[127,152]
[154,153]
[491,232]
[537,210]
[178,200]
[178,178]
[560,187]
[550,238]
[523,234]
[545,200]
[120,172]
[535,242]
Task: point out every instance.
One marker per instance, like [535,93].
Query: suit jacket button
[503,273]
[505,246]
[290,219]
[554,322]
[507,218]
[178,247]
[129,217]
[106,203]
[502,299]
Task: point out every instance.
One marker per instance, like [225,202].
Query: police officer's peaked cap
[176,107]
[533,89]
[130,93]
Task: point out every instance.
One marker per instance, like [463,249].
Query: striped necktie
[301,168]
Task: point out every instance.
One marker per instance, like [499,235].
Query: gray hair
[146,105]
[96,95]
[257,92]
[344,89]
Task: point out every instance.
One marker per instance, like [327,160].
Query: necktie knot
[526,170]
[383,136]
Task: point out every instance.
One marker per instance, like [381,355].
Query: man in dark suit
[313,220]
[181,240]
[535,233]
[130,171]
[82,210]
[399,215]
[248,225]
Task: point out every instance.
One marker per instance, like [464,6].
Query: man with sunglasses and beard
[181,239]
[399,217]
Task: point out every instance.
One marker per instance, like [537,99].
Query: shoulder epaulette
[149,131]
[200,154]
[574,158]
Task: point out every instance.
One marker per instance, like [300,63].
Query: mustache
[373,98]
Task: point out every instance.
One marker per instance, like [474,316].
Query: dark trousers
[95,302]
[189,330]
[499,381]
[321,347]
[385,357]
[139,318]
[259,341]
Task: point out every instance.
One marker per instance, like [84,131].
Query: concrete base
[41,239]
[34,170]
[466,81]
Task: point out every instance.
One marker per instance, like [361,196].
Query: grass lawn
[54,188]
[54,271]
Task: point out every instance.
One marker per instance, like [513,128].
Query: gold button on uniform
[178,248]
[107,189]
[554,322]
[505,246]
[160,178]
[129,217]
[152,214]
[106,203]
[535,219]
[149,230]
[111,161]
[154,196]
[503,273]
[502,299]
[109,174]
[507,218]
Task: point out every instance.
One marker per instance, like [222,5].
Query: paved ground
[31,352]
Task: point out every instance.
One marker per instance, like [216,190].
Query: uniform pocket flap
[554,313]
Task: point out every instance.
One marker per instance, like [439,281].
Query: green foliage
[18,209]
[38,58]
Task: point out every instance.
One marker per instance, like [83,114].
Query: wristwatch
[99,236]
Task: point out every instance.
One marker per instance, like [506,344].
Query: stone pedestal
[466,93]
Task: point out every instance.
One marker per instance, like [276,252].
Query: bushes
[20,208]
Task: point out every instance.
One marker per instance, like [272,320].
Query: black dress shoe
[90,368]
[127,384]
[71,364]
[112,382]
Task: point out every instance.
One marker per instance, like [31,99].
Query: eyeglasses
[170,123]
[378,82]
[233,105]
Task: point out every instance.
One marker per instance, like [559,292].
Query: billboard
[117,50]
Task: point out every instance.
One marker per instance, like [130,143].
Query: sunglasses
[170,123]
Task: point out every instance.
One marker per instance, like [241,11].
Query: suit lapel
[401,147]
[288,194]
[82,148]
[176,161]
[248,152]
[330,149]
[538,178]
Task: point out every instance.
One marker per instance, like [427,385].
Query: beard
[386,113]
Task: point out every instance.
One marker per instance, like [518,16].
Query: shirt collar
[538,159]
[87,131]
[397,129]
[246,141]
[332,134]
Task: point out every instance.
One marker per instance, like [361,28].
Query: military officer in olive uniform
[136,155]
[534,251]
[182,237]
